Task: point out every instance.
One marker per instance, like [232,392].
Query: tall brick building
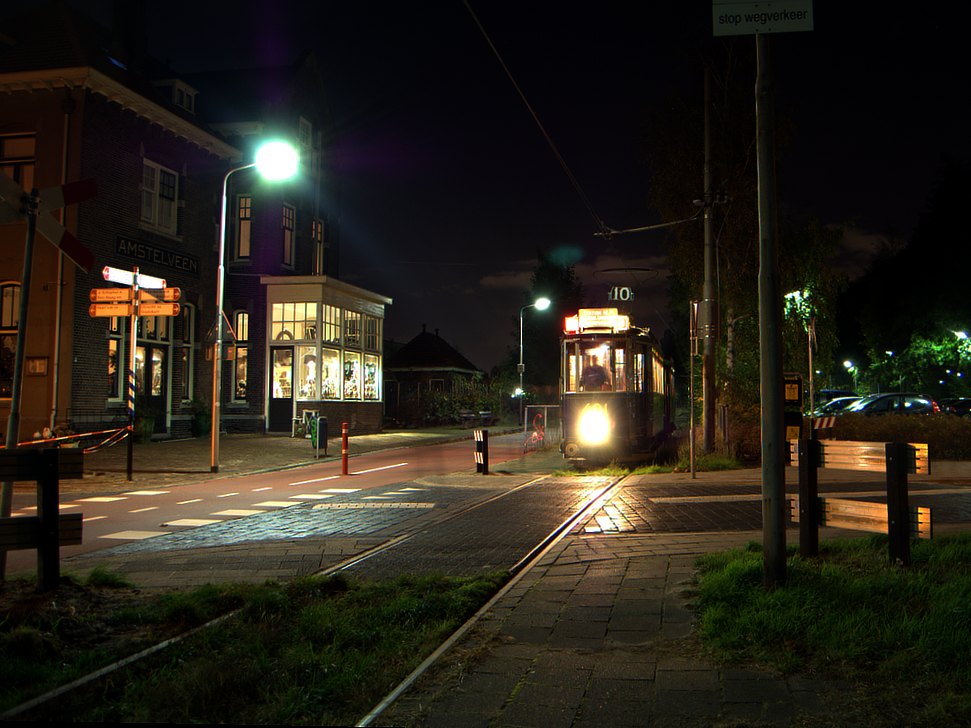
[82,101]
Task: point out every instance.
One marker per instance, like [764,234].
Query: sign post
[140,299]
[760,19]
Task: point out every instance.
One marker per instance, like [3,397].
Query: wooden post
[898,512]
[48,499]
[808,498]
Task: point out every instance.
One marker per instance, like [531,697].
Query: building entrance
[280,410]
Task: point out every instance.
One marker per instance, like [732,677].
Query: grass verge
[312,651]
[904,634]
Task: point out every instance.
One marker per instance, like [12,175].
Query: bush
[948,436]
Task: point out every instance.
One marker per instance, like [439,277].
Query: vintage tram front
[615,388]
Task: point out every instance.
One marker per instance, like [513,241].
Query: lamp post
[275,161]
[540,304]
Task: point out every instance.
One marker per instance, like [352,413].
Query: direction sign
[127,278]
[167,294]
[158,309]
[105,295]
[110,309]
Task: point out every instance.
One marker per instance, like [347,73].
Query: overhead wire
[603,228]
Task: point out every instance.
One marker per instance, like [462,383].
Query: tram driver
[594,376]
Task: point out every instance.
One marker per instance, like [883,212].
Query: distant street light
[540,304]
[275,161]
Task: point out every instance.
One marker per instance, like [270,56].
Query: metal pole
[130,384]
[770,336]
[710,306]
[344,447]
[13,421]
[217,349]
[522,368]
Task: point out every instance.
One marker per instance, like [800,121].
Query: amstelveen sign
[738,17]
[148,253]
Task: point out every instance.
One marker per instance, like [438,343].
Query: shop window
[241,356]
[306,372]
[9,318]
[160,194]
[372,377]
[244,226]
[352,375]
[289,226]
[330,374]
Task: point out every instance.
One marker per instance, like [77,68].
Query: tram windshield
[602,365]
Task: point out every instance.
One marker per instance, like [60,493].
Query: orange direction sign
[105,295]
[166,294]
[158,309]
[109,309]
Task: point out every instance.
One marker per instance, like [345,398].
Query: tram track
[517,570]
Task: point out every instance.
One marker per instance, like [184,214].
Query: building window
[352,375]
[297,320]
[153,328]
[244,226]
[372,377]
[289,225]
[318,238]
[305,134]
[17,158]
[240,370]
[9,319]
[307,372]
[188,340]
[372,333]
[116,353]
[352,329]
[160,194]
[330,374]
[331,320]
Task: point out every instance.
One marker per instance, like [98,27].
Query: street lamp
[275,161]
[540,304]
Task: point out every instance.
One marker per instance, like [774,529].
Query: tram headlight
[594,425]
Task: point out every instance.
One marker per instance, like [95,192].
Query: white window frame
[159,212]
[289,227]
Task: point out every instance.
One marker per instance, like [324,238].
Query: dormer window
[183,95]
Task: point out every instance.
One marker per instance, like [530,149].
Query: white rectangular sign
[127,278]
[731,17]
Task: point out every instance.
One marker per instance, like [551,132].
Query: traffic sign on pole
[110,295]
[127,278]
[110,309]
[158,309]
[167,294]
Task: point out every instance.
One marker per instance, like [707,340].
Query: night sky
[447,188]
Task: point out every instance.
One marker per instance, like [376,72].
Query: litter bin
[318,434]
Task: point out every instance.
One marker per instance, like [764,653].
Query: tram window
[620,375]
[638,373]
[571,373]
[595,375]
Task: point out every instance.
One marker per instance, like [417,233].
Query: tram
[616,390]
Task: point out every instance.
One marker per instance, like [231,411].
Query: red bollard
[344,428]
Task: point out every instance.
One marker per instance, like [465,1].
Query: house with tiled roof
[425,366]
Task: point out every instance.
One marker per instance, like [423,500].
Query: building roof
[429,352]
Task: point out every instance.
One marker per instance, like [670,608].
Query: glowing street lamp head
[277,161]
[542,303]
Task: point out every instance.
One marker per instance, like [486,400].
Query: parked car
[908,403]
[835,406]
[826,395]
[956,406]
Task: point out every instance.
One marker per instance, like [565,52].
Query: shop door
[280,414]
[150,389]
